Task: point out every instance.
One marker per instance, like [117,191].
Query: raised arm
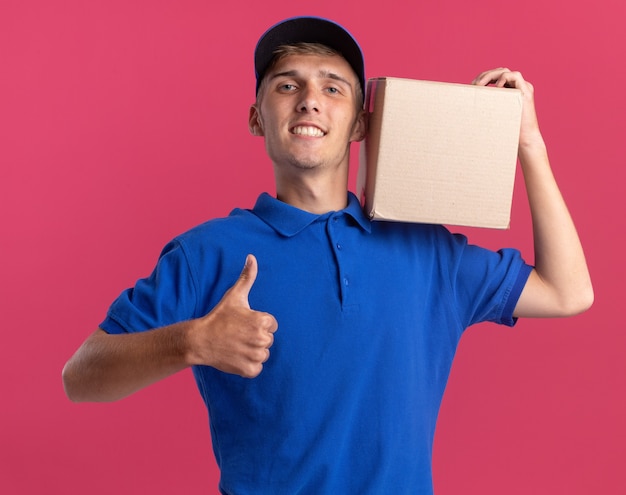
[232,338]
[560,284]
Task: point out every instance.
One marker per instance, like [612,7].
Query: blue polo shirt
[369,317]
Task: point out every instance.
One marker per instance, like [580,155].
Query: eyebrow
[322,74]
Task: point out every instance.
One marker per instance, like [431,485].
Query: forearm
[232,338]
[109,367]
[562,278]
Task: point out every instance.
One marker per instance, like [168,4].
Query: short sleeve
[167,296]
[487,284]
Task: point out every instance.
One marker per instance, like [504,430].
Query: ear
[360,127]
[254,122]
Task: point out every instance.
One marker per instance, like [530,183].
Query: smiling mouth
[308,130]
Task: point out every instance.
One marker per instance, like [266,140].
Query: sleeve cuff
[514,294]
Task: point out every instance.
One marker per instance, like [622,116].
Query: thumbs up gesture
[233,337]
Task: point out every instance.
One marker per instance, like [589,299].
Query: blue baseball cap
[308,30]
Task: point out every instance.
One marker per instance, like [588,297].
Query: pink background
[123,123]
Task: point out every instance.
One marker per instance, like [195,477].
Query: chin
[305,162]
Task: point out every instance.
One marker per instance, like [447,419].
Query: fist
[233,337]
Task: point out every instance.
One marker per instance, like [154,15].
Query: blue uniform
[369,317]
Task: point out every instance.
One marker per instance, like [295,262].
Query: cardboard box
[439,153]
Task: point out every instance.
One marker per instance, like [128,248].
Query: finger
[270,324]
[269,339]
[490,77]
[241,290]
[267,356]
[508,79]
[262,334]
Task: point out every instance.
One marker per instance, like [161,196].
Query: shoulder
[435,237]
[211,244]
[219,228]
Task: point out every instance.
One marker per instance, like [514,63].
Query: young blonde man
[344,397]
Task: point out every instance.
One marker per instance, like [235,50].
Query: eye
[287,87]
[332,90]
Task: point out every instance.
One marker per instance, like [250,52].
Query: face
[308,113]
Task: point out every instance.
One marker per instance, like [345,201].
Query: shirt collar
[288,220]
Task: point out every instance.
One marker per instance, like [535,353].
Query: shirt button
[338,246]
[345,282]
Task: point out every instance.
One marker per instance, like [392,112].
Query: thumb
[244,284]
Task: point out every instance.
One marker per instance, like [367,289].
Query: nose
[309,100]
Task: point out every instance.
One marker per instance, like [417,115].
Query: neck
[314,193]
